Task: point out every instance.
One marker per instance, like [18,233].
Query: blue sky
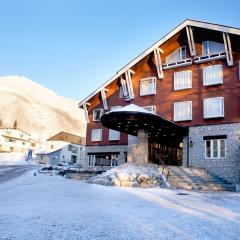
[73,46]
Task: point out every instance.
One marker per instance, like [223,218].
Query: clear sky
[73,46]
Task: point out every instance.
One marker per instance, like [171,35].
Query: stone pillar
[138,153]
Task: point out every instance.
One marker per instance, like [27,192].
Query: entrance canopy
[131,118]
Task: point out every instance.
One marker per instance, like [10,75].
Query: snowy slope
[38,110]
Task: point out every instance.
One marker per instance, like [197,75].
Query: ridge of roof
[183,24]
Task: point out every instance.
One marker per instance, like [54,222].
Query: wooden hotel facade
[189,78]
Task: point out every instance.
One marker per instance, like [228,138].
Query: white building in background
[17,141]
[62,148]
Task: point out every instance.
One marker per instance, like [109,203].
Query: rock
[135,184]
[122,176]
[116,182]
[126,184]
[143,178]
[133,177]
[101,181]
[146,185]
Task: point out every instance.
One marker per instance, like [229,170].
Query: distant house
[62,148]
[14,140]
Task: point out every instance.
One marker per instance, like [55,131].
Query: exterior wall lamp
[191,143]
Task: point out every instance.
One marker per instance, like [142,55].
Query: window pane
[205,48]
[147,86]
[177,55]
[215,148]
[222,148]
[208,149]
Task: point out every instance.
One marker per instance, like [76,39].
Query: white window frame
[113,135]
[187,104]
[216,77]
[211,114]
[180,55]
[151,80]
[94,114]
[208,50]
[218,148]
[91,160]
[182,80]
[96,135]
[151,109]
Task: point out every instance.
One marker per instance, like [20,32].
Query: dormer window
[97,113]
[210,47]
[177,56]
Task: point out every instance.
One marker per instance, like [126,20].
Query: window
[183,111]
[91,160]
[97,113]
[213,107]
[148,86]
[96,135]
[177,56]
[114,135]
[182,80]
[215,148]
[210,47]
[212,75]
[151,109]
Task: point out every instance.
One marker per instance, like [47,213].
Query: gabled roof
[187,22]
[68,137]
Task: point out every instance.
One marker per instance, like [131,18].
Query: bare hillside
[37,110]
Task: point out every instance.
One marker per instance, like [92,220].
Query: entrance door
[166,154]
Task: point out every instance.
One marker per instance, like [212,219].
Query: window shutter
[182,80]
[114,135]
[147,86]
[212,75]
[96,135]
[214,107]
[183,111]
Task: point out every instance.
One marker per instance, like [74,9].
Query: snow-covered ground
[51,207]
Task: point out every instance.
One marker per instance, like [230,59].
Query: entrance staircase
[189,178]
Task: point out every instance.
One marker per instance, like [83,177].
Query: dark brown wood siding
[166,96]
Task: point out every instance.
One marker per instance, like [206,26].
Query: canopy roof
[131,118]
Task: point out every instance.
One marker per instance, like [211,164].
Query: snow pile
[131,175]
[37,110]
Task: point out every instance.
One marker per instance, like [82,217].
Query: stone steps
[196,179]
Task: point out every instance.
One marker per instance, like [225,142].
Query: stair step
[197,179]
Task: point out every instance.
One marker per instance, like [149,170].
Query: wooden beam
[104,100]
[129,83]
[158,63]
[86,111]
[228,48]
[124,87]
[191,42]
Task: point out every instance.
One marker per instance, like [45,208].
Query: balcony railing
[209,57]
[186,62]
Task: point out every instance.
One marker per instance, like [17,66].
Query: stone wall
[108,148]
[227,168]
